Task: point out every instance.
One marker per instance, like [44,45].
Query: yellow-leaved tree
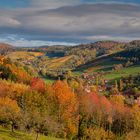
[9,112]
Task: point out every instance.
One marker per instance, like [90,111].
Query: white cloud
[81,22]
[52,4]
[115,38]
[9,22]
[92,20]
[21,42]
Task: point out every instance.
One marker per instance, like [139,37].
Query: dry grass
[24,55]
[57,62]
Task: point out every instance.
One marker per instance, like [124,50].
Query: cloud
[114,38]
[8,22]
[86,19]
[52,4]
[79,23]
[7,19]
[21,42]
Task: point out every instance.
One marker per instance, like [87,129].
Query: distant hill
[5,48]
[115,65]
[122,51]
[80,56]
[101,56]
[135,42]
[101,47]
[47,49]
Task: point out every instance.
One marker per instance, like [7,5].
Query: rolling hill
[122,63]
[99,57]
[5,48]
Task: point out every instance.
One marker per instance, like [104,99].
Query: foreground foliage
[5,134]
[64,109]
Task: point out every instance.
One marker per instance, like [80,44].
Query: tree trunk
[79,128]
[37,136]
[12,127]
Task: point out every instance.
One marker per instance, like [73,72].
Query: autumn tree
[136,117]
[122,116]
[66,106]
[38,84]
[9,112]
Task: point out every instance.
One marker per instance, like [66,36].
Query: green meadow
[6,134]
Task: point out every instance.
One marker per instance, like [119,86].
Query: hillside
[133,44]
[122,63]
[101,47]
[23,55]
[101,56]
[8,135]
[103,63]
[77,55]
[54,61]
[5,48]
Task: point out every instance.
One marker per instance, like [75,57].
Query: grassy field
[106,65]
[8,135]
[49,81]
[24,55]
[103,65]
[133,70]
[57,62]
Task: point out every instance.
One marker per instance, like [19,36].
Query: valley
[44,88]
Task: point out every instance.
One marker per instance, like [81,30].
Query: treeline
[129,55]
[101,47]
[127,58]
[131,52]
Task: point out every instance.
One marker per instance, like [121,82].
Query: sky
[27,23]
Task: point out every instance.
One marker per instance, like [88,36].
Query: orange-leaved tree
[38,84]
[66,106]
[9,111]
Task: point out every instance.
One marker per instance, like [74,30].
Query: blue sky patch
[13,3]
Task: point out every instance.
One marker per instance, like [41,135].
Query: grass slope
[106,64]
[125,72]
[103,63]
[57,62]
[24,55]
[8,135]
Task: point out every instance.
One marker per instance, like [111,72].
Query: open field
[133,70]
[57,62]
[106,65]
[102,63]
[48,81]
[8,135]
[24,55]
